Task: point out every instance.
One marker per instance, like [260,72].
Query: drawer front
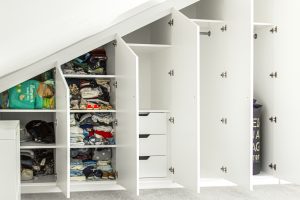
[153,145]
[153,123]
[153,166]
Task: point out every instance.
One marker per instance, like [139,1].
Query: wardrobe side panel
[238,100]
[145,81]
[62,134]
[185,132]
[287,93]
[263,11]
[127,107]
[264,91]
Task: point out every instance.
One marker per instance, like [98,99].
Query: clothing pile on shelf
[92,164]
[93,62]
[92,129]
[89,94]
[38,131]
[36,93]
[36,163]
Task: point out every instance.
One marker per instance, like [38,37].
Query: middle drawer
[153,145]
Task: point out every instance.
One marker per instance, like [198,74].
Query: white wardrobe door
[287,90]
[238,100]
[127,116]
[185,132]
[62,134]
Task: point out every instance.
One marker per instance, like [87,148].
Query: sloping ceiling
[34,29]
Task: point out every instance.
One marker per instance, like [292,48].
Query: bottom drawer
[153,166]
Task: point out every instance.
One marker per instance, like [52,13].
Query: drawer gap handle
[144,114]
[144,157]
[144,135]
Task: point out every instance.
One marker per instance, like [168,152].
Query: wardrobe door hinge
[116,122]
[172,170]
[273,166]
[273,119]
[115,43]
[274,30]
[55,122]
[115,84]
[224,28]
[172,120]
[255,36]
[171,22]
[224,169]
[171,72]
[224,75]
[274,75]
[224,120]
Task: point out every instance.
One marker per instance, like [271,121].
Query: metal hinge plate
[172,120]
[274,30]
[115,84]
[224,169]
[171,72]
[273,166]
[116,122]
[115,43]
[274,75]
[224,75]
[224,28]
[171,22]
[172,170]
[273,119]
[224,120]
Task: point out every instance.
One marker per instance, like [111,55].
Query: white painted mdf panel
[238,98]
[153,123]
[62,133]
[153,145]
[153,167]
[212,136]
[127,106]
[10,170]
[263,86]
[287,93]
[185,102]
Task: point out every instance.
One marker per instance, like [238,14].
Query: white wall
[33,29]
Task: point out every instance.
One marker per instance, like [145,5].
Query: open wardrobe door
[127,116]
[185,130]
[238,101]
[287,93]
[62,136]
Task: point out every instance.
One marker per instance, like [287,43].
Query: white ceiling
[33,29]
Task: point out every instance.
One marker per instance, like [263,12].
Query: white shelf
[206,23]
[27,110]
[88,76]
[262,25]
[34,145]
[41,181]
[265,179]
[79,186]
[154,111]
[91,146]
[148,48]
[93,111]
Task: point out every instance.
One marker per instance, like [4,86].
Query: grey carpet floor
[273,192]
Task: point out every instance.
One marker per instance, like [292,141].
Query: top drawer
[153,123]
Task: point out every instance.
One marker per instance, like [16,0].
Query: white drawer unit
[153,166]
[153,145]
[153,123]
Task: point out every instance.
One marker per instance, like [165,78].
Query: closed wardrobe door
[237,88]
[127,116]
[185,133]
[287,90]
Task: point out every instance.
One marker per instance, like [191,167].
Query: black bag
[41,131]
[256,138]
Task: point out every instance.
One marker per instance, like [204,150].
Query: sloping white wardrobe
[184,100]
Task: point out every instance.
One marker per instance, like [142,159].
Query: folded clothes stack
[87,164]
[91,94]
[92,129]
[93,62]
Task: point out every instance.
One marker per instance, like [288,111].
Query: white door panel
[127,116]
[62,133]
[287,93]
[185,102]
